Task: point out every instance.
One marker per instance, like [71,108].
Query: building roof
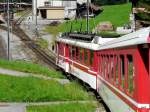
[51,7]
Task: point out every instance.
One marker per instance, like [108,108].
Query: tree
[143,16]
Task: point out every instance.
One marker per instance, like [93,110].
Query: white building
[69,6]
[70,3]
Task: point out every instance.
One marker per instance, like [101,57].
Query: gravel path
[18,50]
[21,107]
[22,74]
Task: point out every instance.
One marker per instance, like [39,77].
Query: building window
[49,3]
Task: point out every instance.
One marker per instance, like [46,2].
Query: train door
[143,74]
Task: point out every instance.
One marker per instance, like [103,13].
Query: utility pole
[20,5]
[36,27]
[87,18]
[8,30]
[34,15]
[34,9]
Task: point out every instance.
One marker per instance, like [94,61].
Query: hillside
[117,14]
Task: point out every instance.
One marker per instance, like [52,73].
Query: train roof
[98,43]
[83,40]
[141,36]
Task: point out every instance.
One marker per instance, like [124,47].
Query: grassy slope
[117,14]
[29,68]
[72,107]
[29,89]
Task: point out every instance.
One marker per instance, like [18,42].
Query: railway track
[21,19]
[41,54]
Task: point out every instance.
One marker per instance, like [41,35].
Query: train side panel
[123,78]
[115,103]
[69,61]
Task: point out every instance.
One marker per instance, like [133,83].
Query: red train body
[119,70]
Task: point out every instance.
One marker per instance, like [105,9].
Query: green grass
[117,14]
[29,68]
[29,89]
[72,107]
[42,43]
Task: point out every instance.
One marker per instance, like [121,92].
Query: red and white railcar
[119,70]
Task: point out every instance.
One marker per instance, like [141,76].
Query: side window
[112,67]
[81,53]
[108,67]
[91,57]
[85,56]
[117,73]
[122,70]
[105,66]
[70,51]
[130,73]
[102,65]
[73,52]
[77,53]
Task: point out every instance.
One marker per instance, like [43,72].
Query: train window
[73,52]
[60,49]
[85,56]
[77,53]
[108,67]
[105,66]
[112,67]
[70,52]
[130,73]
[102,65]
[117,73]
[81,54]
[91,57]
[122,69]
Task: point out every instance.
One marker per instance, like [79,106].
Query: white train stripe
[92,71]
[127,97]
[79,64]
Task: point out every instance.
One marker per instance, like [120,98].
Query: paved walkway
[13,108]
[21,107]
[22,74]
[45,103]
